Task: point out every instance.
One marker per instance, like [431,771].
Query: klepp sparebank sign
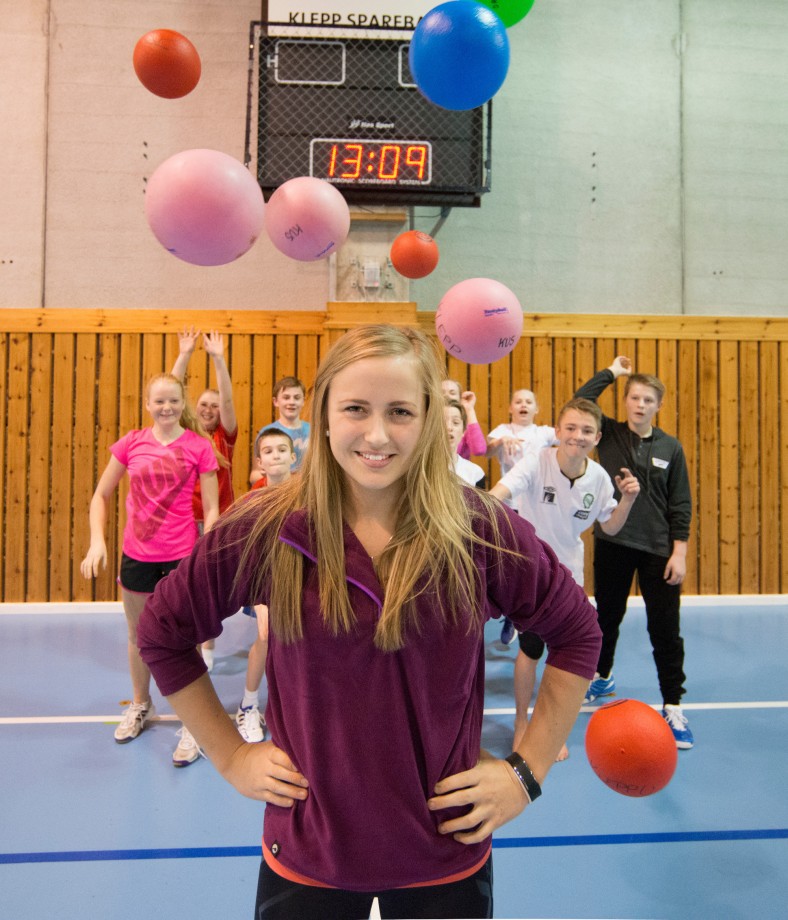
[347,17]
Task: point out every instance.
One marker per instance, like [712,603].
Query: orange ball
[414,254]
[167,63]
[631,748]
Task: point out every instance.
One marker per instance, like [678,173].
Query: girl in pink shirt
[163,462]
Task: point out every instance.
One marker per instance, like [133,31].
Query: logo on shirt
[548,495]
[583,515]
[154,489]
[588,500]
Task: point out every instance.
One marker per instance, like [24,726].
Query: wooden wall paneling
[769,480]
[4,337]
[153,359]
[563,380]
[240,368]
[749,459]
[63,459]
[584,362]
[285,357]
[262,386]
[85,397]
[107,432]
[17,399]
[542,379]
[665,367]
[645,360]
[610,400]
[307,361]
[40,466]
[704,463]
[729,485]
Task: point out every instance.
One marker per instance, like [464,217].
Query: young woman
[164,462]
[380,568]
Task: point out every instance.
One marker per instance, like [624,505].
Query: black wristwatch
[523,772]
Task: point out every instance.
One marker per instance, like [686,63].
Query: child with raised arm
[653,543]
[561,491]
[379,567]
[509,442]
[472,443]
[216,411]
[164,462]
[289,398]
[275,455]
[456,426]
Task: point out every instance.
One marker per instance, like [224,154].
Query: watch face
[348,111]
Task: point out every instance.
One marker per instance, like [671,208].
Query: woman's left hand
[492,791]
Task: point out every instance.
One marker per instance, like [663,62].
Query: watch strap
[523,772]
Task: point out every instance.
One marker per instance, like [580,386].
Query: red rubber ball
[167,63]
[631,748]
[414,254]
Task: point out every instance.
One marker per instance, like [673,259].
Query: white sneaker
[133,721]
[187,751]
[251,723]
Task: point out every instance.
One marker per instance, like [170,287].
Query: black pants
[280,899]
[614,568]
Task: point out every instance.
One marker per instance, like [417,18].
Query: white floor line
[507,711]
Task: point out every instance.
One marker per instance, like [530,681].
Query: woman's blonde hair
[188,418]
[431,548]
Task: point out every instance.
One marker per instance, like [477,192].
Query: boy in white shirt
[561,491]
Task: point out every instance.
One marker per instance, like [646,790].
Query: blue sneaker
[678,725]
[508,632]
[600,686]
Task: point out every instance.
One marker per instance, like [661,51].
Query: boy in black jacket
[653,541]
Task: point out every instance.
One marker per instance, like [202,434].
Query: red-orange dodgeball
[414,254]
[631,748]
[167,63]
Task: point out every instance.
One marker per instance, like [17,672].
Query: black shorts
[531,645]
[142,577]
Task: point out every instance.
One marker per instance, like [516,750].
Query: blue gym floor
[93,829]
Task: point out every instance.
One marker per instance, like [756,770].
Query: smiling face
[642,403]
[577,433]
[208,410]
[375,414]
[290,402]
[523,407]
[165,402]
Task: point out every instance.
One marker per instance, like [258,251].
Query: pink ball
[307,219]
[204,207]
[479,320]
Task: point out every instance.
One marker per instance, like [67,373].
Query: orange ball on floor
[167,63]
[631,748]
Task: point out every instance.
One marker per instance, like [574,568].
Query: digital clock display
[371,162]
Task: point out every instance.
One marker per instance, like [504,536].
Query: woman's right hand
[263,771]
[97,556]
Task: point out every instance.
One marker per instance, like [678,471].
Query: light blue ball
[459,55]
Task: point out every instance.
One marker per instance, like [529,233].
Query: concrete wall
[640,163]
